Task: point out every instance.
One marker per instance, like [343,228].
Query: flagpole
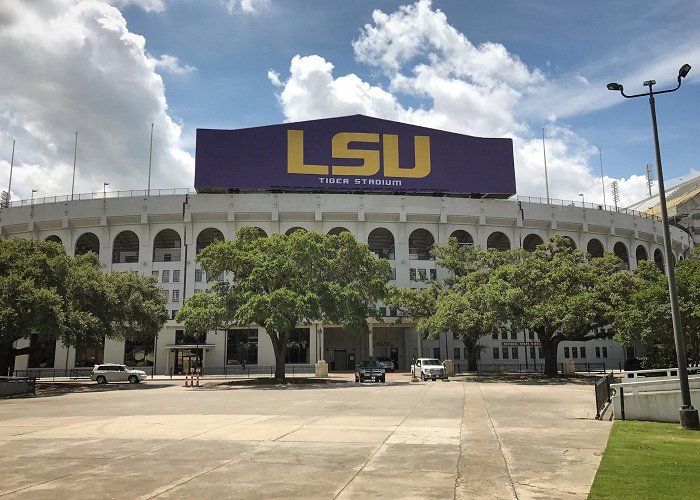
[544,154]
[75,158]
[602,177]
[150,159]
[9,187]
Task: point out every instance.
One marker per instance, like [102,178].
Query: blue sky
[495,69]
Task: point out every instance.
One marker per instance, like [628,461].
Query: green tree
[44,291]
[646,317]
[281,281]
[561,293]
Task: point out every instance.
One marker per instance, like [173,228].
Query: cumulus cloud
[147,5]
[246,6]
[172,65]
[480,90]
[79,68]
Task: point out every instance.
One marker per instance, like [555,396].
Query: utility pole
[615,192]
[650,176]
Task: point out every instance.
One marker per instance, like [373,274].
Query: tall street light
[104,190]
[688,414]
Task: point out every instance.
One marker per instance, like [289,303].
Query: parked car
[369,370]
[428,368]
[111,372]
[387,364]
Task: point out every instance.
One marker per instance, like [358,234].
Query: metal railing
[603,394]
[132,193]
[99,195]
[16,386]
[581,204]
[238,371]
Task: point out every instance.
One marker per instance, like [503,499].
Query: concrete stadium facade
[161,234]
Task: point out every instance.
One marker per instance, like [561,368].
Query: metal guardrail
[99,195]
[16,386]
[603,394]
[72,373]
[251,370]
[102,195]
[595,206]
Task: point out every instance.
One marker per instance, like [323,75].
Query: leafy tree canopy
[44,291]
[281,281]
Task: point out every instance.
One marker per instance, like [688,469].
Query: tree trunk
[550,357]
[471,349]
[7,359]
[279,346]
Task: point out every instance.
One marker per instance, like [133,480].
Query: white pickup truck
[428,368]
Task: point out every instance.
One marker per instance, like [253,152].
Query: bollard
[199,370]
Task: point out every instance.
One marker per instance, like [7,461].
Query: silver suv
[110,372]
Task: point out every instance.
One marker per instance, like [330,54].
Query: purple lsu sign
[353,154]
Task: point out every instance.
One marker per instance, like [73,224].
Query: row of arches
[167,244]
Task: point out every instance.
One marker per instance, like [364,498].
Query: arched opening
[167,246]
[531,242]
[595,248]
[87,242]
[499,241]
[569,242]
[54,239]
[261,232]
[621,251]
[338,230]
[381,243]
[659,260]
[462,237]
[125,248]
[419,244]
[294,230]
[641,254]
[207,237]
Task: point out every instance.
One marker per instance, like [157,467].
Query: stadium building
[397,187]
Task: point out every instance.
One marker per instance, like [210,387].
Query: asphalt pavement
[466,438]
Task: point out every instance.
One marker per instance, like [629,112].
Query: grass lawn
[649,460]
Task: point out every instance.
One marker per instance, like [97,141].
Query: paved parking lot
[457,439]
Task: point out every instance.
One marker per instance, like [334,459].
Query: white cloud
[147,5]
[172,65]
[79,68]
[478,90]
[246,6]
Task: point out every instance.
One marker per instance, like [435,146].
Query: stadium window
[583,352]
[176,295]
[504,335]
[433,274]
[597,352]
[494,335]
[504,351]
[605,352]
[532,353]
[198,275]
[166,276]
[412,274]
[566,352]
[531,335]
[156,274]
[513,335]
[514,352]
[574,352]
[496,353]
[176,276]
[422,274]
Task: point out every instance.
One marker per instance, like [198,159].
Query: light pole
[583,200]
[33,191]
[104,190]
[688,414]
